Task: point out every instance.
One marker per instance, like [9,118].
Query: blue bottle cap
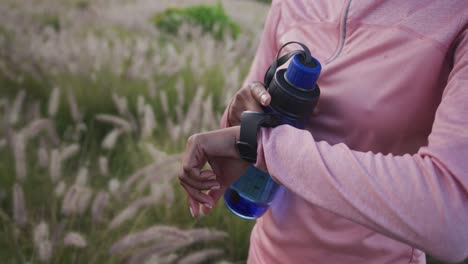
[303,76]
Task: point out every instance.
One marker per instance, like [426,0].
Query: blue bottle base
[242,206]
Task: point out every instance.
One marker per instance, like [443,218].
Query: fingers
[250,98]
[260,93]
[193,158]
[201,147]
[206,181]
[198,197]
[192,179]
[242,101]
[195,174]
[195,190]
[194,207]
[215,195]
[206,207]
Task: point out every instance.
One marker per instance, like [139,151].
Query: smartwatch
[250,123]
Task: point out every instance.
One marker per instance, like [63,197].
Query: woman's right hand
[251,98]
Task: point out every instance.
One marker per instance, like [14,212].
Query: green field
[95,111]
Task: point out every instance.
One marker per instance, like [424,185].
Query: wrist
[219,143]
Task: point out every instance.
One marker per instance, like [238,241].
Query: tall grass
[94,117]
[86,212]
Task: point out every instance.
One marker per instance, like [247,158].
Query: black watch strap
[250,123]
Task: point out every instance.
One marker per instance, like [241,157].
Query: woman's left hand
[218,148]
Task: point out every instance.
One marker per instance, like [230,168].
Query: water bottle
[294,95]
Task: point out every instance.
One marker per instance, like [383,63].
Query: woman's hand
[218,148]
[250,98]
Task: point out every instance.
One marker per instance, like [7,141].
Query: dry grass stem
[55,167]
[147,170]
[33,111]
[74,109]
[179,113]
[140,105]
[19,208]
[42,241]
[114,186]
[82,177]
[75,239]
[191,121]
[167,172]
[41,232]
[18,142]
[115,121]
[148,123]
[110,140]
[169,259]
[159,233]
[69,151]
[205,234]
[208,120]
[45,251]
[100,203]
[15,111]
[98,56]
[60,189]
[76,200]
[201,256]
[103,166]
[131,211]
[141,255]
[36,127]
[180,91]
[54,102]
[155,153]
[164,102]
[43,157]
[121,104]
[175,131]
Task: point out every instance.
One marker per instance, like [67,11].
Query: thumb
[260,94]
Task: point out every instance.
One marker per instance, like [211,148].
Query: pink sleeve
[419,199]
[265,54]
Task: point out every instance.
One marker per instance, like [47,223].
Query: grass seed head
[156,233]
[17,106]
[45,251]
[103,165]
[116,121]
[60,189]
[75,239]
[100,203]
[19,207]
[55,166]
[54,102]
[130,211]
[201,256]
[69,151]
[73,105]
[41,232]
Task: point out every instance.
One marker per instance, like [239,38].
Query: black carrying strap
[270,73]
[250,124]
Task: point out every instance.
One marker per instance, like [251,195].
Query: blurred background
[97,99]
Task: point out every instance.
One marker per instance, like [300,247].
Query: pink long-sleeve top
[381,174]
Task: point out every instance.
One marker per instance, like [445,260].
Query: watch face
[247,152]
